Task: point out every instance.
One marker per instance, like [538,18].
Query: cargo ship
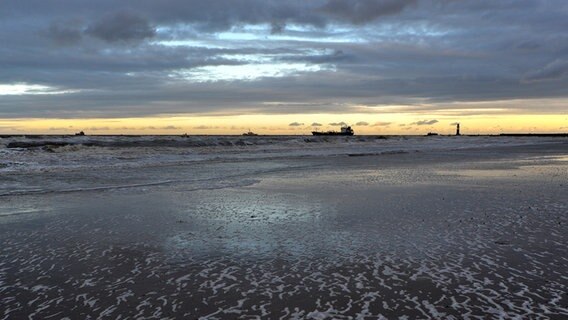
[250,133]
[345,131]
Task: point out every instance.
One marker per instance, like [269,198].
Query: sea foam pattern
[441,240]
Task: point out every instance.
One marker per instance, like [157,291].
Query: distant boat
[81,133]
[431,134]
[345,131]
[250,133]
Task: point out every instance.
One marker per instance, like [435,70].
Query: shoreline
[440,234]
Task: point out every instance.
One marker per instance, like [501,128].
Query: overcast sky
[132,58]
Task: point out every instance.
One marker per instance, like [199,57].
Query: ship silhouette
[345,131]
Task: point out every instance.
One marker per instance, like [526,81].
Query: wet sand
[469,234]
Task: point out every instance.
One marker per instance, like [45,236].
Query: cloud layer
[425,122]
[105,59]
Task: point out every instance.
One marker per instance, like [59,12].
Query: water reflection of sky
[309,215]
[15,210]
[253,223]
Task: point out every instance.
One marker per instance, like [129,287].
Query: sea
[283,227]
[63,163]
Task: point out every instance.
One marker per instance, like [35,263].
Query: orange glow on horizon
[291,124]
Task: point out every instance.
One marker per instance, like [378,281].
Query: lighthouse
[458,129]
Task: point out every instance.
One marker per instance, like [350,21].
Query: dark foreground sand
[471,234]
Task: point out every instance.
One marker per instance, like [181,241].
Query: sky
[283,67]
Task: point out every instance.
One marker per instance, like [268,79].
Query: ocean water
[52,153]
[39,164]
[283,227]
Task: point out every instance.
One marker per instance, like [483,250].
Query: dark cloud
[362,11]
[204,127]
[122,26]
[362,123]
[144,57]
[529,45]
[553,71]
[333,57]
[277,27]
[208,16]
[296,124]
[343,124]
[170,127]
[315,124]
[425,122]
[65,32]
[382,124]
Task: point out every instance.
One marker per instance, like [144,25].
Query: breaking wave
[53,153]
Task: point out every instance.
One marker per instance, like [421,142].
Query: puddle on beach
[248,223]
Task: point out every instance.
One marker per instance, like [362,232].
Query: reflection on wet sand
[399,236]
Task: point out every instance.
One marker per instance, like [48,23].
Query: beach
[291,228]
